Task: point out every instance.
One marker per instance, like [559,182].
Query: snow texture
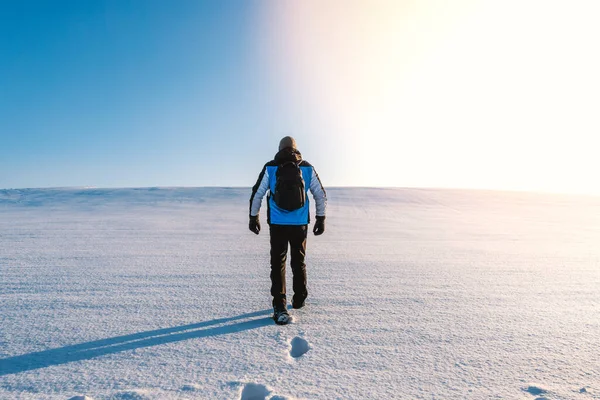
[163,293]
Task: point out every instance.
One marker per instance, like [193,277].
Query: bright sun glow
[480,94]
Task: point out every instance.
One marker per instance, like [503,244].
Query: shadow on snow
[97,348]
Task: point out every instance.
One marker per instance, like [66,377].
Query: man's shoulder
[305,163]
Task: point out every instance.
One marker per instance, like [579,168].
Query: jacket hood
[288,154]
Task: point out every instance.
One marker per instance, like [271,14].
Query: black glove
[254,224]
[319,225]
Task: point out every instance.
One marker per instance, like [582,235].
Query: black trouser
[281,236]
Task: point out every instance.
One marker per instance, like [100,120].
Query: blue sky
[377,93]
[134,93]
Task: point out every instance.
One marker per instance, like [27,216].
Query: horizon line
[429,188]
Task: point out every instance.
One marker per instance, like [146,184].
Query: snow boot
[281,316]
[297,303]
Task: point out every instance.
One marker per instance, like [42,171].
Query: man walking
[287,180]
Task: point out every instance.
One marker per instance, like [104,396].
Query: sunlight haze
[478,94]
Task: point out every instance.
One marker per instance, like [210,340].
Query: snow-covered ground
[414,294]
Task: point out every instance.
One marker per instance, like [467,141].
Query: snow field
[413,294]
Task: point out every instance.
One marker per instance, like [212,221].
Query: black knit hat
[286,142]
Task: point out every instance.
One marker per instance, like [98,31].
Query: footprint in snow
[137,394]
[254,391]
[536,391]
[299,347]
[191,388]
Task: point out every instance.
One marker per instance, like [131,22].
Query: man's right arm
[318,192]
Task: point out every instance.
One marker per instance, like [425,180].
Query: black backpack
[289,192]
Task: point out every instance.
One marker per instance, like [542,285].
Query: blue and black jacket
[266,185]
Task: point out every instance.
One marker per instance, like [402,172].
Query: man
[287,180]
